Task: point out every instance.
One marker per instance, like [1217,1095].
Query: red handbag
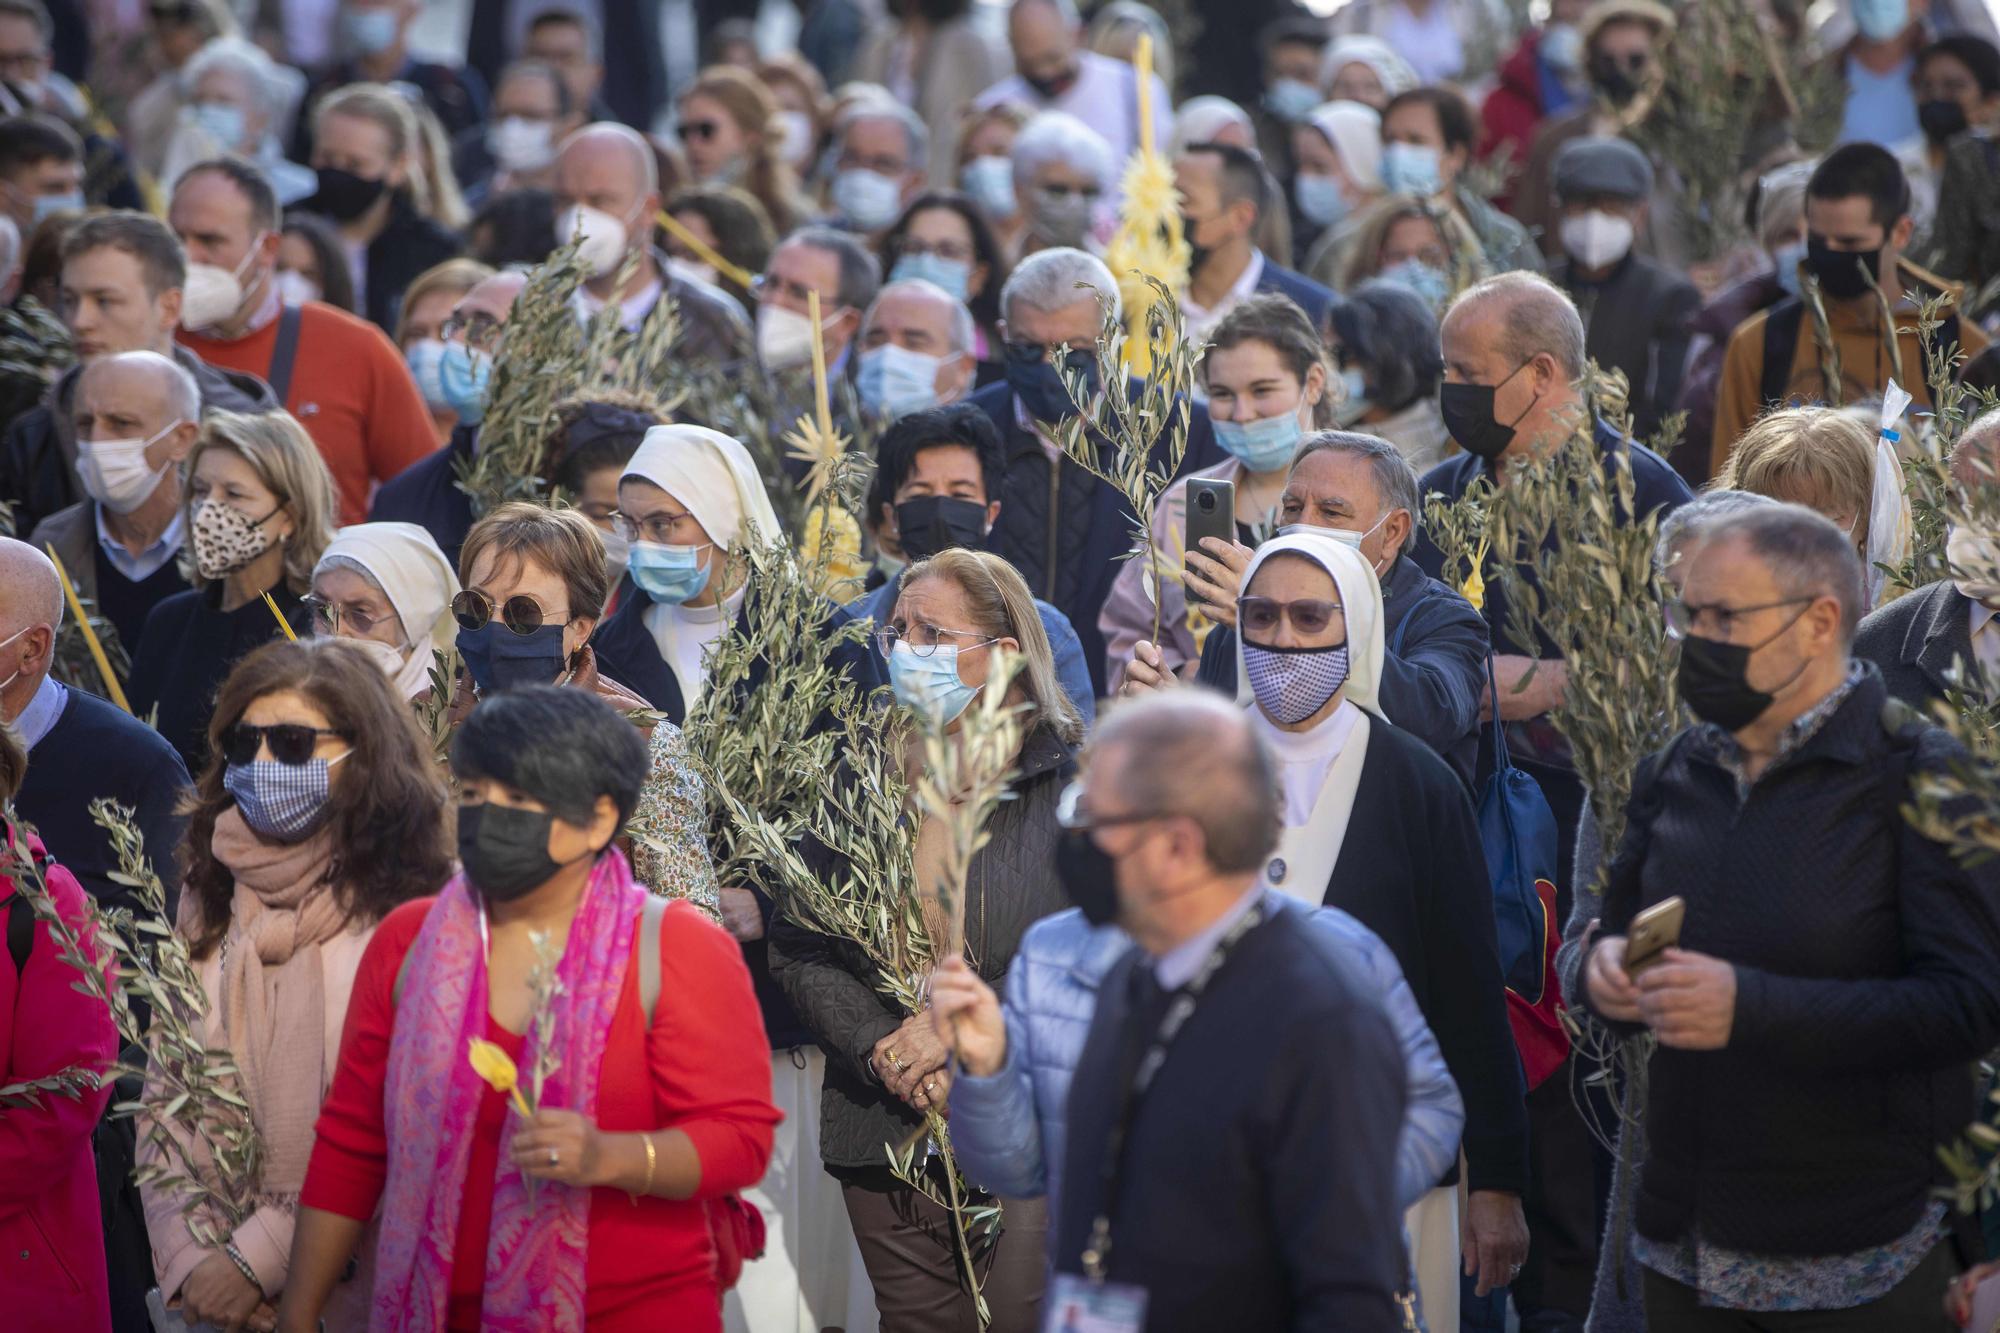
[738,1230]
[1538,1029]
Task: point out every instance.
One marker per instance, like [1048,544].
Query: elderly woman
[885,1068]
[258,512]
[238,102]
[387,589]
[1063,174]
[320,813]
[607,1203]
[1309,662]
[1385,341]
[177,32]
[986,167]
[1338,149]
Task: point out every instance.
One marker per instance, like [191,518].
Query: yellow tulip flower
[492,1064]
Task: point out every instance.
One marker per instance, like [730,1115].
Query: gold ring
[890,1055]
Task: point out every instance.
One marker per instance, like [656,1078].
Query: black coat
[1865,986]
[1917,640]
[1257,1186]
[186,651]
[426,493]
[1648,312]
[1009,887]
[408,245]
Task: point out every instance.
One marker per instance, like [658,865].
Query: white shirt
[632,311]
[1201,320]
[1430,44]
[683,635]
[1305,756]
[1104,97]
[138,568]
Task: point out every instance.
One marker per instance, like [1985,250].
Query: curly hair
[390,831]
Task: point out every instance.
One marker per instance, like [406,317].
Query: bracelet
[652,1162]
[243,1267]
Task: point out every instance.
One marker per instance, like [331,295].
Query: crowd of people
[1235,1028]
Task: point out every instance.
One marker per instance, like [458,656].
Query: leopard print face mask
[225,539]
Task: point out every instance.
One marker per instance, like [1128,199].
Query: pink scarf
[535,1250]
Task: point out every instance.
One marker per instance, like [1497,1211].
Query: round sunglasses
[291,742]
[473,610]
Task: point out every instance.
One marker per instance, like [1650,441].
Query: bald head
[156,386]
[493,297]
[1192,753]
[607,166]
[1975,457]
[31,606]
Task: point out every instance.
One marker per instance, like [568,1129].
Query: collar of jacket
[1042,752]
[1941,630]
[1852,734]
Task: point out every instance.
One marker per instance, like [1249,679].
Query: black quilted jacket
[1012,885]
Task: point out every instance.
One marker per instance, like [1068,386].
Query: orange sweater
[350,389]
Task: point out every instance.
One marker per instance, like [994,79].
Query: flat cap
[1600,164]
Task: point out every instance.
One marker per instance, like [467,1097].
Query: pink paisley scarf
[535,1251]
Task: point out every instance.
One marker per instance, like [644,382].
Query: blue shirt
[42,713]
[1880,107]
[138,568]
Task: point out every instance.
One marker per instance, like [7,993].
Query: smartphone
[1211,512]
[1652,932]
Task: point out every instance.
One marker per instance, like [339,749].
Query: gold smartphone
[1652,932]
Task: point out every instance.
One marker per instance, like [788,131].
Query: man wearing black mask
[1857,226]
[1824,939]
[934,473]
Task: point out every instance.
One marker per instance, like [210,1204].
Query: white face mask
[784,337]
[294,287]
[797,148]
[688,270]
[520,144]
[605,238]
[1597,239]
[387,657]
[114,472]
[211,294]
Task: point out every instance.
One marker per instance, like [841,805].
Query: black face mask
[1715,683]
[499,659]
[1089,875]
[1049,89]
[933,523]
[505,850]
[1197,252]
[1941,120]
[344,196]
[1840,272]
[1040,386]
[1468,417]
[1618,83]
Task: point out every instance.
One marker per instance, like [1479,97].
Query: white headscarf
[712,475]
[1200,119]
[1395,72]
[1355,131]
[1360,600]
[406,564]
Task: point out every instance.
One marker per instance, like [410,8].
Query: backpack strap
[20,931]
[651,919]
[279,376]
[1781,345]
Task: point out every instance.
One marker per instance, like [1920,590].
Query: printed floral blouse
[669,830]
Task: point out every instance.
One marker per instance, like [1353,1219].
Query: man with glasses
[879,149]
[843,273]
[1834,975]
[1061,526]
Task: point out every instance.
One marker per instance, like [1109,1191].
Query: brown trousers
[906,1243]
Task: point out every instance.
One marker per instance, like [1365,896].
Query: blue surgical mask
[224,123]
[953,275]
[990,182]
[868,199]
[1291,100]
[1411,168]
[929,686]
[1321,200]
[370,31]
[894,381]
[669,574]
[1433,284]
[1879,20]
[463,375]
[499,659]
[1354,403]
[425,357]
[282,802]
[1261,446]
[48,205]
[1788,257]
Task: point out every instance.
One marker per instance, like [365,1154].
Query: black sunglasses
[291,742]
[473,610]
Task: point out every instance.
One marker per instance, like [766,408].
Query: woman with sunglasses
[605,1205]
[1376,824]
[387,589]
[258,511]
[883,1069]
[321,811]
[731,133]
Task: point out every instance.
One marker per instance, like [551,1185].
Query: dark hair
[1453,112]
[564,747]
[1276,321]
[1242,173]
[34,138]
[1390,332]
[960,426]
[934,12]
[984,303]
[387,815]
[140,235]
[539,69]
[599,430]
[336,279]
[41,256]
[1867,170]
[1975,53]
[1294,30]
[860,275]
[254,185]
[743,232]
[514,227]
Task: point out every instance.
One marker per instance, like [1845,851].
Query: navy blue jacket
[1309,296]
[188,648]
[1067,532]
[426,493]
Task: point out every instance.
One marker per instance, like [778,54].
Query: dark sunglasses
[473,610]
[1262,615]
[701,131]
[291,742]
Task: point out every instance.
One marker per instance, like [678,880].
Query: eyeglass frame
[1071,796]
[634,529]
[1285,616]
[1677,609]
[479,328]
[331,613]
[542,618]
[888,636]
[265,736]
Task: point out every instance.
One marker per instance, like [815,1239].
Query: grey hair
[915,132]
[1048,280]
[1058,138]
[1781,198]
[182,392]
[1538,318]
[1981,434]
[243,58]
[860,272]
[10,248]
[1395,479]
[1807,555]
[1194,754]
[963,330]
[1689,522]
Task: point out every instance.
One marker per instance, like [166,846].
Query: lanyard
[1098,1251]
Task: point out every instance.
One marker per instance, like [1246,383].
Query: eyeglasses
[478,329]
[951,250]
[1263,615]
[766,287]
[1079,359]
[881,166]
[1052,191]
[473,610]
[1073,818]
[656,528]
[291,742]
[328,615]
[700,131]
[1683,618]
[924,639]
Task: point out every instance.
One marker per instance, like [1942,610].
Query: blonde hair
[1819,457]
[1012,114]
[1364,253]
[433,184]
[416,143]
[767,177]
[1002,606]
[287,462]
[457,276]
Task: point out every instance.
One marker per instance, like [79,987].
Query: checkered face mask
[283,802]
[1291,684]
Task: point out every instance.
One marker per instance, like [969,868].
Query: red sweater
[651,1265]
[350,389]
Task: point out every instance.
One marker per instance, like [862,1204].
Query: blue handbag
[1517,830]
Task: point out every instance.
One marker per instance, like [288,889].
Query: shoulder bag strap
[1781,344]
[279,377]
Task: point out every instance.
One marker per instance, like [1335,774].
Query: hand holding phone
[1652,933]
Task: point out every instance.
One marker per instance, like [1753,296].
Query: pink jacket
[51,1231]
